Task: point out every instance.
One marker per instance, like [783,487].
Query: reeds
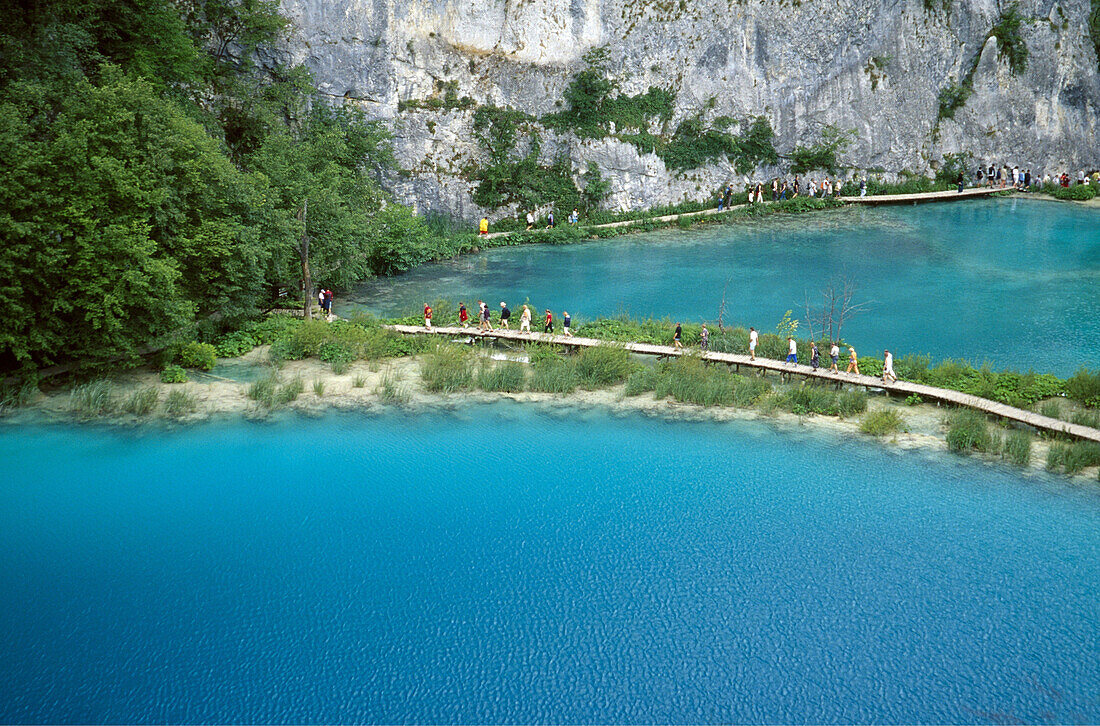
[882,423]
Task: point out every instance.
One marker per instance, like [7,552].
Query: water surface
[501,564]
[1015,282]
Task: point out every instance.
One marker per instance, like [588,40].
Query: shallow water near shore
[1015,282]
[508,563]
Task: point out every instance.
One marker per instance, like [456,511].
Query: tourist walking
[574,217]
[487,318]
[549,326]
[753,338]
[525,320]
[888,375]
[550,220]
[853,362]
[328,303]
[463,316]
[863,187]
[815,357]
[321,299]
[834,353]
[775,189]
[566,321]
[483,227]
[530,220]
[704,339]
[676,336]
[427,316]
[505,313]
[792,350]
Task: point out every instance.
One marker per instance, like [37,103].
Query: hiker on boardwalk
[834,353]
[483,227]
[505,313]
[328,303]
[566,321]
[815,356]
[530,220]
[853,362]
[463,316]
[321,299]
[704,339]
[792,350]
[550,220]
[574,217]
[549,325]
[525,320]
[753,338]
[676,335]
[888,375]
[486,318]
[427,316]
[863,187]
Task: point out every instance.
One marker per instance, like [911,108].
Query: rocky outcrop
[876,66]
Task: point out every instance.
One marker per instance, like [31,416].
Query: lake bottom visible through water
[507,563]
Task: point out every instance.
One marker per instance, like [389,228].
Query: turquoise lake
[511,564]
[1015,282]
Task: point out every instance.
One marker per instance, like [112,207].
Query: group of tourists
[573,218]
[485,318]
[324,300]
[1004,177]
[782,190]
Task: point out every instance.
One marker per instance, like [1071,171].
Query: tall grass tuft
[551,373]
[1050,409]
[1017,447]
[319,387]
[1074,456]
[92,399]
[446,369]
[390,390]
[882,423]
[358,381]
[142,401]
[263,390]
[849,403]
[602,366]
[689,380]
[289,391]
[968,430]
[16,396]
[180,402]
[642,380]
[508,376]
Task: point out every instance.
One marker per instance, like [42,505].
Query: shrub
[968,430]
[446,369]
[199,355]
[1084,386]
[603,365]
[508,376]
[1017,447]
[173,374]
[142,401]
[235,344]
[1074,192]
[750,390]
[1010,42]
[180,402]
[642,380]
[913,400]
[92,399]
[810,399]
[1050,409]
[881,423]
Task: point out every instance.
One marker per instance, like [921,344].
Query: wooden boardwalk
[947,196]
[906,388]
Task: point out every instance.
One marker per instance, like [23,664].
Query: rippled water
[1015,282]
[502,564]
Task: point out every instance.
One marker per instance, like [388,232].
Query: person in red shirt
[463,316]
[427,316]
[549,322]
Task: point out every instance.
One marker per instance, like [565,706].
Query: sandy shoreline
[220,397]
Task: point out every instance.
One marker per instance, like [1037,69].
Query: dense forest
[156,178]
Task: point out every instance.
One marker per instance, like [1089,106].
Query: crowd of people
[485,324]
[1006,177]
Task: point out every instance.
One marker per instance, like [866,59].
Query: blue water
[479,566]
[1014,282]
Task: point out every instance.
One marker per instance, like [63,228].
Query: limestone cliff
[876,66]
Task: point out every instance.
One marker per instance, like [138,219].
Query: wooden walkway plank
[923,196]
[926,392]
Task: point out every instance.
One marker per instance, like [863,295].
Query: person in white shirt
[834,353]
[792,350]
[752,343]
[888,375]
[530,220]
[525,320]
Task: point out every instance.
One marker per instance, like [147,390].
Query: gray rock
[802,64]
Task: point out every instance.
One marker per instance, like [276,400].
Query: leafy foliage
[882,422]
[1010,44]
[822,155]
[1094,29]
[173,374]
[1074,192]
[952,97]
[199,355]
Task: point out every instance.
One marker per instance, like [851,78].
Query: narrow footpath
[734,360]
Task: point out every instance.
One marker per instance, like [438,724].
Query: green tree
[822,155]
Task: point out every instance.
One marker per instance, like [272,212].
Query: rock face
[876,66]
